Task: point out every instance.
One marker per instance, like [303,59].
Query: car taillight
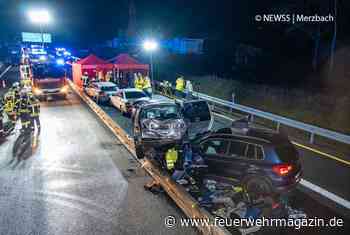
[282,169]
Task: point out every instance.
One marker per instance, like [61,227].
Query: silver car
[101,91]
[124,99]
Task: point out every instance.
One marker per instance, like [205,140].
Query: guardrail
[313,130]
[5,71]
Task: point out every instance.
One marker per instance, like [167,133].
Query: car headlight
[37,91]
[153,125]
[64,89]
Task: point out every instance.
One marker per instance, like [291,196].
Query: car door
[116,100]
[198,116]
[244,155]
[214,151]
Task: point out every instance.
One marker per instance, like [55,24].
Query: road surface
[80,180]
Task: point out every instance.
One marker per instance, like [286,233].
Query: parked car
[159,123]
[124,99]
[262,161]
[101,91]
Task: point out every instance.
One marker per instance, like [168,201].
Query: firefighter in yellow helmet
[171,157]
[180,87]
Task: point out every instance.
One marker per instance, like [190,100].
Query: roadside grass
[328,111]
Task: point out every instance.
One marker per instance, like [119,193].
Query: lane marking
[339,159]
[325,193]
[322,153]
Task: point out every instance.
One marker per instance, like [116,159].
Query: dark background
[286,53]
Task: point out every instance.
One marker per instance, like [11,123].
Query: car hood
[170,128]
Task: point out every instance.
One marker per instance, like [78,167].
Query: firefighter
[171,158]
[10,103]
[34,105]
[85,79]
[147,87]
[23,109]
[180,87]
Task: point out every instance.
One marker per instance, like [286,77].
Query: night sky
[92,21]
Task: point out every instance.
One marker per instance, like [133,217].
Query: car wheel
[139,152]
[257,187]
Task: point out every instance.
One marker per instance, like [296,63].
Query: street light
[150,46]
[40,17]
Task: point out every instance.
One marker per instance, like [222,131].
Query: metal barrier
[313,130]
[5,71]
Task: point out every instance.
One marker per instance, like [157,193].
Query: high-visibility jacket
[171,158]
[147,83]
[139,83]
[10,102]
[180,84]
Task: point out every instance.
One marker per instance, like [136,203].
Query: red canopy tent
[125,66]
[126,62]
[89,64]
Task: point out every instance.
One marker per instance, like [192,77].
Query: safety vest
[171,158]
[147,83]
[139,83]
[9,103]
[180,84]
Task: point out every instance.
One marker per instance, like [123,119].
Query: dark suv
[261,160]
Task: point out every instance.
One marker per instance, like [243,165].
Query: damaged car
[159,123]
[262,161]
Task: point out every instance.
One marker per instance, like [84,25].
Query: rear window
[108,88]
[197,111]
[134,95]
[162,112]
[287,153]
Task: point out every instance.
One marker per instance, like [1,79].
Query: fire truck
[49,80]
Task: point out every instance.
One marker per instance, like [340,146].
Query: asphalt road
[80,180]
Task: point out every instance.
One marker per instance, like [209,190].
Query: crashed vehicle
[262,161]
[159,123]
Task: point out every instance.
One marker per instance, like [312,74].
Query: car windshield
[45,71]
[134,94]
[287,153]
[109,88]
[163,112]
[197,110]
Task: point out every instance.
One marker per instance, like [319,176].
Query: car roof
[131,90]
[105,84]
[256,135]
[154,103]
